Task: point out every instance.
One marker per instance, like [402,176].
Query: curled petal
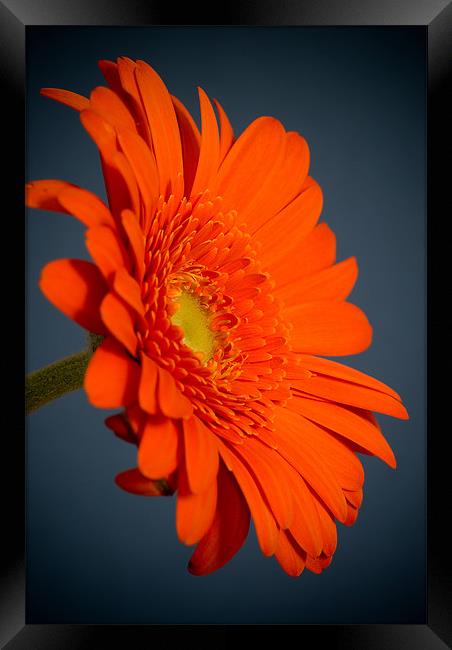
[82,302]
[107,250]
[67,97]
[120,425]
[290,556]
[119,320]
[228,531]
[266,529]
[317,565]
[111,379]
[59,196]
[133,481]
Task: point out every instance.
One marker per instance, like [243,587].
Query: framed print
[100,560]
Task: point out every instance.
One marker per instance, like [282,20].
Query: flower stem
[46,384]
[64,376]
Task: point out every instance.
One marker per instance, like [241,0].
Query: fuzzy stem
[48,383]
[64,376]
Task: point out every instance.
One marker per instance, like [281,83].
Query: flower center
[193,319]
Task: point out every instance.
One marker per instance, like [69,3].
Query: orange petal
[119,320]
[250,164]
[201,455]
[270,471]
[348,424]
[333,283]
[126,71]
[289,555]
[129,290]
[106,250]
[136,417]
[352,515]
[108,105]
[264,522]
[335,369]
[306,460]
[157,451]
[344,392]
[59,196]
[354,497]
[228,531]
[285,184]
[120,425]
[110,71]
[111,379]
[67,97]
[317,565]
[210,146]
[226,132]
[133,481]
[314,247]
[100,131]
[43,194]
[194,512]
[344,464]
[305,528]
[136,240]
[293,369]
[329,328]
[77,288]
[172,401]
[144,167]
[328,528]
[190,139]
[86,206]
[163,124]
[121,185]
[147,394]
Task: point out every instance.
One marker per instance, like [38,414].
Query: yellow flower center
[194,321]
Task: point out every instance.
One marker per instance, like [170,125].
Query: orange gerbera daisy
[217,294]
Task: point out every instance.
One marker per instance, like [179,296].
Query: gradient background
[99,555]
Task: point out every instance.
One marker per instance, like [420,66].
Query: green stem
[64,376]
[46,384]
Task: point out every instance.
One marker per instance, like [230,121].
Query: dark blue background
[99,555]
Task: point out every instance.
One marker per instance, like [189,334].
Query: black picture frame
[436,17]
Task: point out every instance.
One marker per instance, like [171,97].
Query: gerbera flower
[218,295]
